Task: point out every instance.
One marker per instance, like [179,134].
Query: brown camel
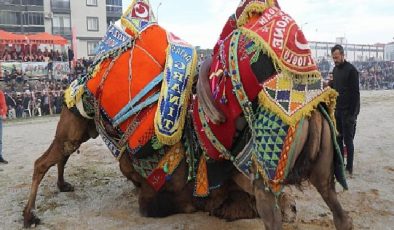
[314,159]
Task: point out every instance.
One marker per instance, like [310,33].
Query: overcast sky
[199,22]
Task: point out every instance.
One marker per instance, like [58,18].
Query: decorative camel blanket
[285,99]
[139,88]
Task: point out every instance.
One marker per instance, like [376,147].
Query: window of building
[33,18]
[11,2]
[10,18]
[114,9]
[91,2]
[92,23]
[33,2]
[92,45]
[61,24]
[114,2]
[60,4]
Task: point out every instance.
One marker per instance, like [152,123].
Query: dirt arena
[104,199]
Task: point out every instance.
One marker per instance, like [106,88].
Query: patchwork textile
[285,99]
[297,89]
[294,97]
[138,67]
[274,147]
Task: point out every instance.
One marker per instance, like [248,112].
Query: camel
[239,197]
[315,150]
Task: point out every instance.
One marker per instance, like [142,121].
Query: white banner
[60,69]
[35,69]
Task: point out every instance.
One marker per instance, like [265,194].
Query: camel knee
[70,147]
[267,208]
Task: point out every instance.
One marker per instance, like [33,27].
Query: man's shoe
[3,161]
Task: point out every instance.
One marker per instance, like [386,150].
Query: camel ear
[138,17]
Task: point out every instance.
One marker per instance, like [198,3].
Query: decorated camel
[260,119]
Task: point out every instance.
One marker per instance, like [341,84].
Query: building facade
[85,20]
[353,52]
[22,16]
[389,52]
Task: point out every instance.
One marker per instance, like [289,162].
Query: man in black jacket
[346,83]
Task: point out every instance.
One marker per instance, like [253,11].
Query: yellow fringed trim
[266,49]
[96,69]
[185,96]
[72,100]
[254,7]
[126,23]
[328,97]
[67,98]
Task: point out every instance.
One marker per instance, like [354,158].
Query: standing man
[70,54]
[346,83]
[3,115]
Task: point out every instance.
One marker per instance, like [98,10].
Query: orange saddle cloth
[114,85]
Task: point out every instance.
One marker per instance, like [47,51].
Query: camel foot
[65,187]
[30,219]
[288,206]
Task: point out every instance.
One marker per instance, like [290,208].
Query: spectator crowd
[37,96]
[376,75]
[373,75]
[35,55]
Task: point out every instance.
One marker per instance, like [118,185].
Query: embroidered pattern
[269,140]
[176,89]
[172,159]
[202,185]
[138,16]
[112,40]
[291,94]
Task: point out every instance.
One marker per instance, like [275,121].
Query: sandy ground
[104,199]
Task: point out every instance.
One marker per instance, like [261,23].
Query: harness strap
[123,113]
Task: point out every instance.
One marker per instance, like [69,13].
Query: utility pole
[157,12]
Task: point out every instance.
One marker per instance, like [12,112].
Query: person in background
[70,54]
[11,105]
[346,83]
[3,116]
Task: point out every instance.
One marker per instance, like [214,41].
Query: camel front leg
[52,156]
[267,207]
[61,183]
